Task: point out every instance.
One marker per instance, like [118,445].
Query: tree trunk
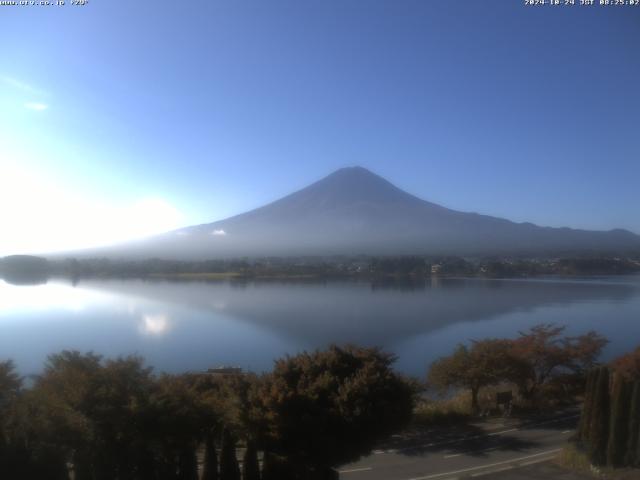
[250,466]
[229,469]
[210,469]
[188,464]
[475,405]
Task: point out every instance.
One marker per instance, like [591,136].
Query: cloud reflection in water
[155,324]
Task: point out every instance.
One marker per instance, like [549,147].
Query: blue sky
[153,115]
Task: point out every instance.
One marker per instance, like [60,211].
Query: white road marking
[503,431]
[567,431]
[353,470]
[490,472]
[474,437]
[533,462]
[480,467]
[472,451]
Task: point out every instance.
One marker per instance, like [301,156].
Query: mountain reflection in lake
[180,326]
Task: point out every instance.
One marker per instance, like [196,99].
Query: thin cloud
[219,233]
[25,87]
[38,107]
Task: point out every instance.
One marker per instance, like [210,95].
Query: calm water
[196,325]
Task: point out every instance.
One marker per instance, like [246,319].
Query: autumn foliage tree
[541,353]
[484,363]
[628,365]
[529,361]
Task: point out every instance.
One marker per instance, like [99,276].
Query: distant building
[435,269]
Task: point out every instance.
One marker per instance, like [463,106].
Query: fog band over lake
[192,326]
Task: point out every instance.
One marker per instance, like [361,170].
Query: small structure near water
[225,371]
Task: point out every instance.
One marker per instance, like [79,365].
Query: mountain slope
[353,211]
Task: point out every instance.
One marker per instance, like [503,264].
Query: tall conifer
[599,424]
[187,464]
[631,457]
[619,423]
[583,432]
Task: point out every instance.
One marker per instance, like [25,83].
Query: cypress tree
[167,466]
[145,465]
[210,469]
[269,470]
[599,424]
[82,467]
[250,466]
[55,465]
[583,432]
[637,461]
[187,464]
[631,458]
[275,468]
[619,423]
[229,469]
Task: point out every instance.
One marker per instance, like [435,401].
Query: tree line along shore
[25,268]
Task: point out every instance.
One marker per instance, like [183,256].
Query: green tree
[619,424]
[178,420]
[67,390]
[591,382]
[10,383]
[600,417]
[631,457]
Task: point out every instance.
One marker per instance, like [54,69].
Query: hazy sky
[122,118]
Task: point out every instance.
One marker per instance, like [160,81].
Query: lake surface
[191,326]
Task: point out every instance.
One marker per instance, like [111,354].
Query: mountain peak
[354,173]
[355,211]
[354,170]
[351,184]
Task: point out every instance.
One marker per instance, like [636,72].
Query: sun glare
[39,217]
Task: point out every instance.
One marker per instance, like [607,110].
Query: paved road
[500,449]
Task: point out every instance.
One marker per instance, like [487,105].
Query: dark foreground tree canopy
[114,419]
[350,398]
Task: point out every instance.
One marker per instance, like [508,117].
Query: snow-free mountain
[354,211]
